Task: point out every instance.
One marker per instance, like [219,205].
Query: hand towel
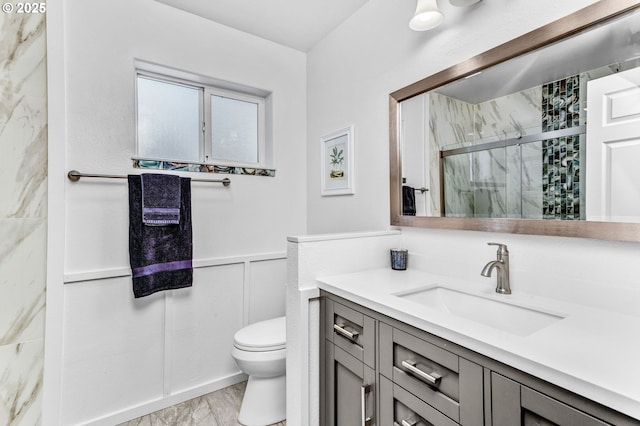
[408,201]
[160,256]
[160,199]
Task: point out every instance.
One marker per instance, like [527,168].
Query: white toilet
[260,351]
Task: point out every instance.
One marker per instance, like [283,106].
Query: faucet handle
[502,248]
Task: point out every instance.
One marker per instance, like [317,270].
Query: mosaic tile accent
[561,104]
[561,156]
[561,178]
[201,168]
[218,408]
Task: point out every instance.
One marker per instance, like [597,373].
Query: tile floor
[219,408]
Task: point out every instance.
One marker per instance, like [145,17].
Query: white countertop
[592,352]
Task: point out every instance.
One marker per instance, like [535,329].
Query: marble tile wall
[450,126]
[218,408]
[535,180]
[23,214]
[492,183]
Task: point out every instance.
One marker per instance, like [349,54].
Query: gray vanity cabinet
[379,371]
[515,404]
[349,379]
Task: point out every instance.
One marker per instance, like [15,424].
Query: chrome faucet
[502,265]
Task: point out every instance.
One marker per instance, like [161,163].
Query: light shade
[427,16]
[463,3]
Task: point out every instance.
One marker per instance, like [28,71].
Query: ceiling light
[463,3]
[427,16]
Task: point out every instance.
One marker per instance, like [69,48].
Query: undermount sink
[497,314]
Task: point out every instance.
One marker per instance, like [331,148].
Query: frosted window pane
[168,121]
[234,129]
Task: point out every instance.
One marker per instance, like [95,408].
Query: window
[191,121]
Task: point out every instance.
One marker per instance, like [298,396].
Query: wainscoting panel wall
[126,357]
[201,322]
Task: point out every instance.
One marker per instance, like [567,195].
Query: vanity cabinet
[349,367]
[376,370]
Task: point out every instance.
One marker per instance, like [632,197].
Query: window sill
[141,163]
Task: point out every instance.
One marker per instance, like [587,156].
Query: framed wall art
[337,162]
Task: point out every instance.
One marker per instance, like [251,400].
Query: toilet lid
[269,335]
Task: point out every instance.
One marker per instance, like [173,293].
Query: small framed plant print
[337,162]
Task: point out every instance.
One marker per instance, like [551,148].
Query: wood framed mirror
[578,195]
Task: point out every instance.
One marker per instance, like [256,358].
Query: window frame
[208,87]
[261,121]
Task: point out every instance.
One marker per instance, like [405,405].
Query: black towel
[160,256]
[160,199]
[408,201]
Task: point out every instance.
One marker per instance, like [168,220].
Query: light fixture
[427,16]
[463,3]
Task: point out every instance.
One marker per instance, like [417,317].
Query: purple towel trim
[161,267]
[161,210]
[160,216]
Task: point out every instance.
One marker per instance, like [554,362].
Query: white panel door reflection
[613,148]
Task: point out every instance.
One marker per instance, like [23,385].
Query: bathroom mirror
[518,139]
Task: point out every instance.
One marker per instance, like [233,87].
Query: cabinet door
[515,404]
[350,390]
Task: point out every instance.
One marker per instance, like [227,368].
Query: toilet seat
[269,335]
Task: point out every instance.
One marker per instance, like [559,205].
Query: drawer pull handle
[351,335]
[364,390]
[409,422]
[433,378]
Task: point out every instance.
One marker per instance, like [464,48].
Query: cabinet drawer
[401,408]
[452,385]
[352,331]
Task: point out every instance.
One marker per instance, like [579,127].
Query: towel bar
[75,176]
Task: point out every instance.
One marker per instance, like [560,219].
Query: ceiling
[615,43]
[299,24]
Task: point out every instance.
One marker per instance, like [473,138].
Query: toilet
[259,350]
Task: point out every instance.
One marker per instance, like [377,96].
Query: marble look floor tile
[218,408]
[225,403]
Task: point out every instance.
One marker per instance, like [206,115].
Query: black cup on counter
[399,259]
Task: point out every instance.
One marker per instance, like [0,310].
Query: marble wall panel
[21,367]
[458,193]
[23,116]
[22,280]
[533,180]
[450,126]
[23,185]
[509,116]
[489,182]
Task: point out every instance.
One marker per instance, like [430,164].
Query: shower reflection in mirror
[519,155]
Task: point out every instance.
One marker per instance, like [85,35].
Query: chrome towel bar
[75,176]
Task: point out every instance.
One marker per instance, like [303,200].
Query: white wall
[122,357]
[350,75]
[353,70]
